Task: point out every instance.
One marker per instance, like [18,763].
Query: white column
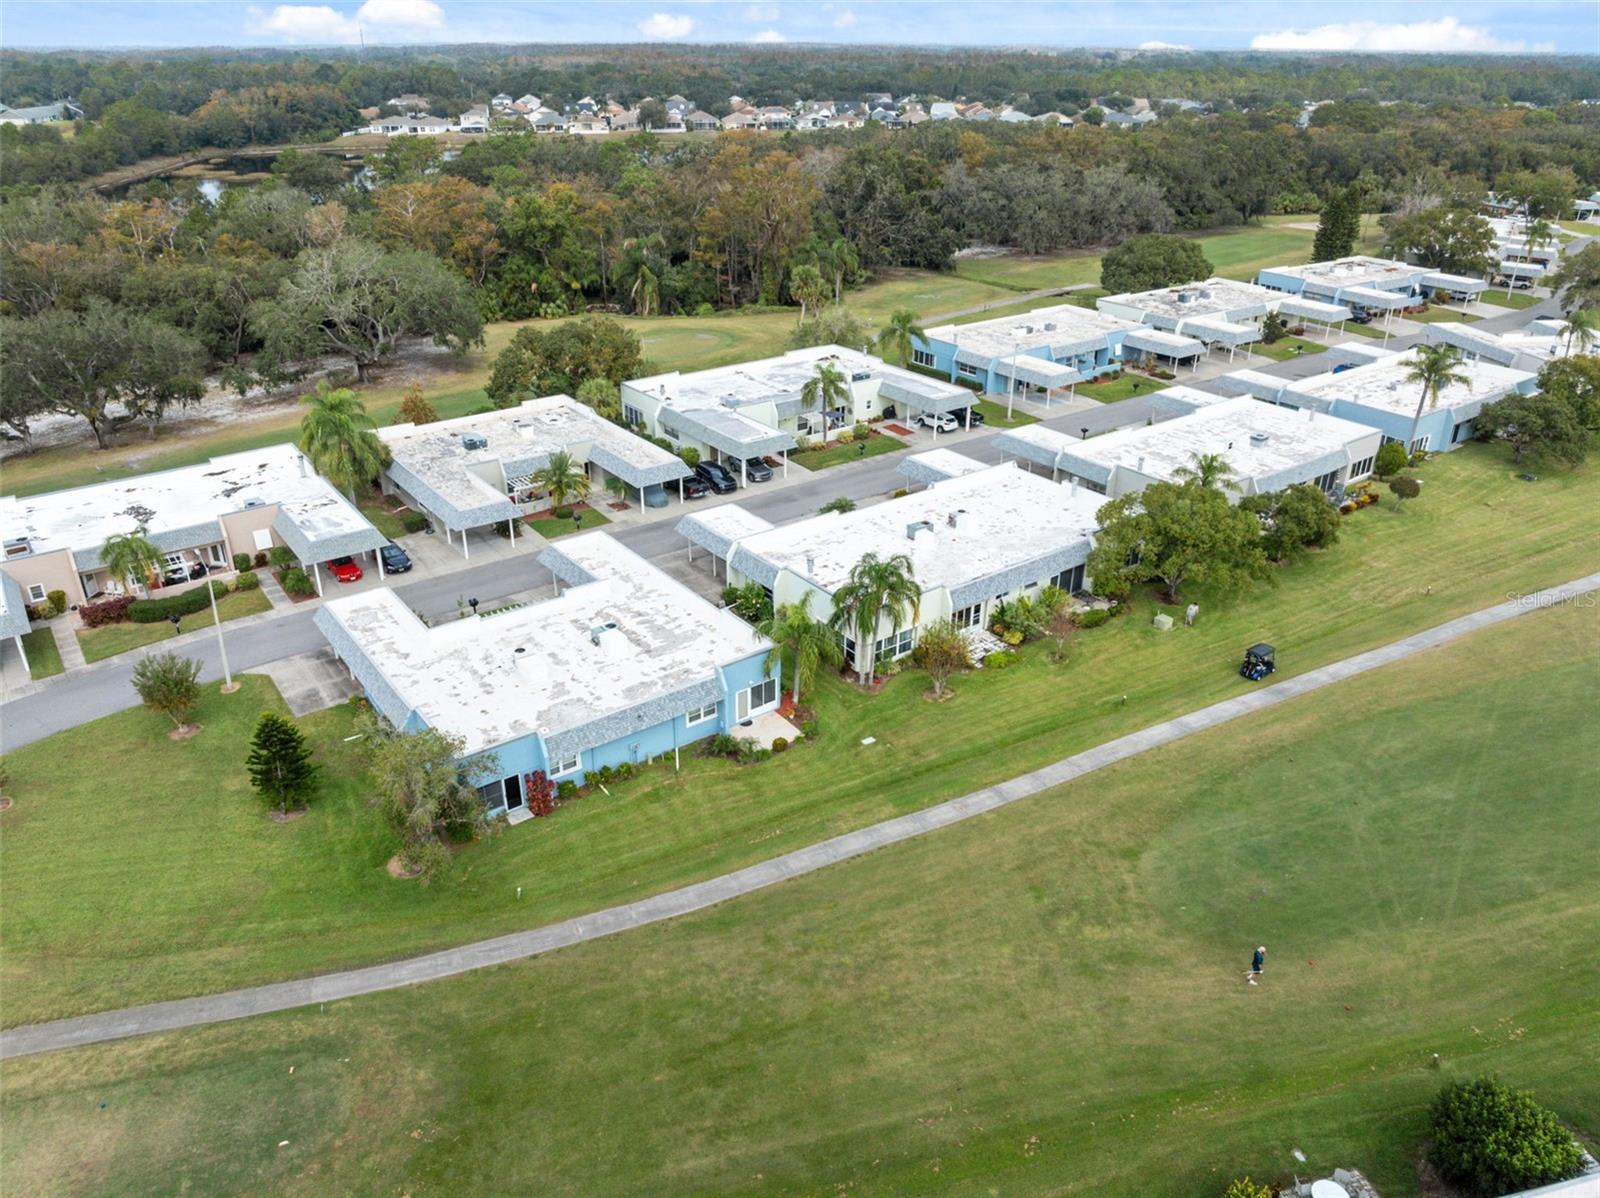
[511,527]
[316,575]
[784,455]
[21,652]
[744,472]
[641,500]
[466,551]
[378,553]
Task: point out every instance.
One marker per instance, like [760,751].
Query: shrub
[1000,660]
[1404,488]
[413,521]
[38,611]
[901,493]
[1243,1187]
[260,561]
[845,436]
[107,611]
[1092,618]
[750,602]
[690,456]
[185,603]
[169,684]
[297,582]
[562,513]
[719,744]
[241,562]
[539,793]
[779,744]
[842,504]
[625,770]
[862,430]
[1490,1139]
[246,581]
[58,600]
[810,728]
[1391,459]
[1273,329]
[566,789]
[280,557]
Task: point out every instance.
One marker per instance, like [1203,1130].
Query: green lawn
[1433,315]
[180,856]
[582,520]
[108,641]
[1374,330]
[375,507]
[994,414]
[44,655]
[1047,1000]
[1285,348]
[1129,384]
[1510,299]
[838,455]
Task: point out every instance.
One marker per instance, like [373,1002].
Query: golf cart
[1258,662]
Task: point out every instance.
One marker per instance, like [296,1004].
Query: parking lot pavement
[310,681]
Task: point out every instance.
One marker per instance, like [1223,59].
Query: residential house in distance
[1267,448]
[197,516]
[409,102]
[1529,348]
[412,126]
[588,124]
[530,102]
[625,121]
[473,120]
[501,101]
[1369,284]
[625,665]
[1219,313]
[547,120]
[40,114]
[678,106]
[474,472]
[775,116]
[701,122]
[1127,120]
[1379,394]
[1040,352]
[1587,209]
[755,409]
[741,120]
[974,539]
[1061,120]
[943,110]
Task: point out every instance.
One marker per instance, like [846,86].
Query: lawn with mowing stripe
[1510,299]
[174,896]
[111,639]
[582,520]
[1374,330]
[1435,315]
[837,455]
[1048,1000]
[994,414]
[1122,388]
[44,655]
[1285,348]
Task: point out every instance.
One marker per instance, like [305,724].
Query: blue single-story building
[1043,351]
[624,664]
[1380,285]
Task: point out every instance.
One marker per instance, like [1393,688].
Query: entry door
[741,706]
[513,785]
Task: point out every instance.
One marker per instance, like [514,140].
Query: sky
[1489,26]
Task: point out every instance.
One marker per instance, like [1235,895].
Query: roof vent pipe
[1258,439]
[811,564]
[1141,464]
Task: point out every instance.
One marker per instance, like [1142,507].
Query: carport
[928,395]
[734,435]
[936,465]
[718,531]
[1038,372]
[1388,302]
[1172,346]
[1254,383]
[319,530]
[1461,287]
[14,622]
[470,502]
[645,471]
[1216,330]
[1322,313]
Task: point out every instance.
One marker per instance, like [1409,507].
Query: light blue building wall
[940,355]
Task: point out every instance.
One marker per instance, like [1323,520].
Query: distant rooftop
[1214,297]
[1384,385]
[1050,327]
[625,636]
[1360,270]
[957,532]
[176,506]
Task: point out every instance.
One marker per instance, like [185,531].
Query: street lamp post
[228,684]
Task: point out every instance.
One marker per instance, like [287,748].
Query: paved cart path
[281,996]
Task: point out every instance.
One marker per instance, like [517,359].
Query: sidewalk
[282,996]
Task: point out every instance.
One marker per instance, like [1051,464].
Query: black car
[717,477]
[395,559]
[961,415]
[695,487]
[1360,316]
[757,470]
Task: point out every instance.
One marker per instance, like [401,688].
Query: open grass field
[1046,1000]
[44,655]
[455,386]
[111,639]
[166,880]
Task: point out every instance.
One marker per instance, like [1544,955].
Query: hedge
[108,611]
[185,603]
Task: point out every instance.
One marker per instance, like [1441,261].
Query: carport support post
[744,472]
[641,500]
[316,574]
[378,553]
[511,528]
[228,684]
[784,455]
[21,652]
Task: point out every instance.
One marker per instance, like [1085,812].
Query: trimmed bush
[845,436]
[1092,618]
[297,582]
[1489,1139]
[566,789]
[58,600]
[779,744]
[1000,660]
[185,603]
[1243,1187]
[107,611]
[280,557]
[690,456]
[413,521]
[1392,458]
[241,562]
[247,581]
[260,560]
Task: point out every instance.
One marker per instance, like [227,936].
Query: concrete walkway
[282,996]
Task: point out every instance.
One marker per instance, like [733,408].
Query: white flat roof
[465,677]
[1003,518]
[1359,270]
[766,379]
[169,501]
[1225,428]
[1210,298]
[1058,324]
[1383,385]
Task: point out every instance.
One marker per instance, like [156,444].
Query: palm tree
[337,435]
[827,388]
[898,338]
[645,292]
[876,586]
[1583,330]
[1539,232]
[564,480]
[131,557]
[840,260]
[1434,366]
[1210,470]
[808,643]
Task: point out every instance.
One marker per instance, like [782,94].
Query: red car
[345,569]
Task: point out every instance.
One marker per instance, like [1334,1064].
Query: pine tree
[1333,239]
[280,763]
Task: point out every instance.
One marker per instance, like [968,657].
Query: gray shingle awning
[1167,345]
[491,511]
[1464,337]
[731,433]
[13,608]
[1222,332]
[633,473]
[1039,372]
[1524,270]
[718,529]
[318,534]
[169,540]
[936,465]
[1033,443]
[631,721]
[935,396]
[379,692]
[1371,297]
[1250,382]
[1356,353]
[1448,282]
[1040,569]
[565,568]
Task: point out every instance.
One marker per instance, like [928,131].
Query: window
[764,694]
[1420,444]
[922,357]
[1069,581]
[176,560]
[1327,482]
[1361,469]
[36,592]
[700,715]
[897,645]
[968,617]
[217,558]
[969,371]
[667,430]
[565,765]
[1461,432]
[632,416]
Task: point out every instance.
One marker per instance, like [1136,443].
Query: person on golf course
[1258,962]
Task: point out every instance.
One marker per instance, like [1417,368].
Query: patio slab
[766,728]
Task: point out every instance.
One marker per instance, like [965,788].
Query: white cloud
[845,20]
[768,37]
[314,23]
[666,25]
[400,14]
[761,14]
[1446,35]
[1158,46]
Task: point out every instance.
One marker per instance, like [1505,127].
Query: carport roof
[718,529]
[13,608]
[1168,345]
[1250,382]
[935,465]
[1223,332]
[1038,371]
[1310,309]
